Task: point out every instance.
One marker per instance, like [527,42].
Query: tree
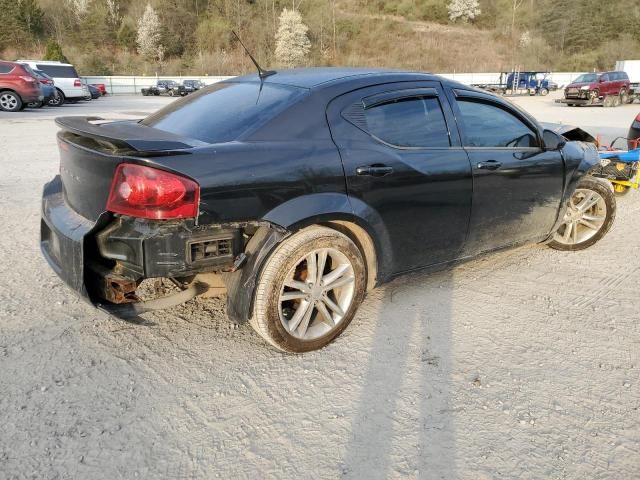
[464,10]
[30,17]
[54,52]
[292,42]
[148,38]
[11,33]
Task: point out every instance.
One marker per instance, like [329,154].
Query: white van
[64,75]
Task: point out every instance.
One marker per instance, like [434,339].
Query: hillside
[194,36]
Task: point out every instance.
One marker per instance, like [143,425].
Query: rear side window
[623,76]
[409,122]
[224,111]
[58,71]
[486,125]
[5,68]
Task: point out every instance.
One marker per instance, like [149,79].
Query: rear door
[403,159]
[517,185]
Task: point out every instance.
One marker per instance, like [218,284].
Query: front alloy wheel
[589,216]
[309,290]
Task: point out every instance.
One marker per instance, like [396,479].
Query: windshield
[586,78]
[224,111]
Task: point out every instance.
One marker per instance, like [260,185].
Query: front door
[517,185]
[404,163]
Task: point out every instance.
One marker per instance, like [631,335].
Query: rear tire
[315,314]
[10,101]
[57,100]
[544,92]
[589,216]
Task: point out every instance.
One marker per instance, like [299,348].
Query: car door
[517,185]
[403,161]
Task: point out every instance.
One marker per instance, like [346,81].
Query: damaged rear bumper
[105,261]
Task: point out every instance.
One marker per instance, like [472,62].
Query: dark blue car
[301,191]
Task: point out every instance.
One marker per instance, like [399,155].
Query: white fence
[123,85]
[118,85]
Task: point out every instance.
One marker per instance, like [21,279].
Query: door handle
[489,165]
[376,170]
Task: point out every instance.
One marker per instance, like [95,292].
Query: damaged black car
[299,192]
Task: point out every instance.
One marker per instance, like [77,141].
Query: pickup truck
[165,87]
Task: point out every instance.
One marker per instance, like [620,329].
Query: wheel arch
[292,217]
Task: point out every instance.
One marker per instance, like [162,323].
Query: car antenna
[261,73]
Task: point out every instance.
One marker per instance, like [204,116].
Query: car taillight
[146,192]
[46,82]
[77,83]
[638,118]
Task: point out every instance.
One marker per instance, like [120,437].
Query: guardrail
[128,85]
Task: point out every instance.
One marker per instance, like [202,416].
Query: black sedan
[300,192]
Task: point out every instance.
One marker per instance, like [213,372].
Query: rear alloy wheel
[589,216]
[57,100]
[10,101]
[309,290]
[544,92]
[624,97]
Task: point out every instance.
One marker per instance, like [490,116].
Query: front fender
[579,159]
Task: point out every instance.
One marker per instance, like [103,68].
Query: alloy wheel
[584,218]
[8,102]
[316,294]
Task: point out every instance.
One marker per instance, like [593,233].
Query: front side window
[488,125]
[586,78]
[409,122]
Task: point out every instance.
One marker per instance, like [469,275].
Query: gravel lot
[524,364]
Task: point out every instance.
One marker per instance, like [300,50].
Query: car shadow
[401,426]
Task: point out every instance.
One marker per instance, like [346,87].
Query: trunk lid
[90,151]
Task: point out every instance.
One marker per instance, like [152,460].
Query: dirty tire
[266,311]
[605,190]
[624,97]
[608,101]
[10,101]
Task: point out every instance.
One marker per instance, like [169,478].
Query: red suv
[609,88]
[18,87]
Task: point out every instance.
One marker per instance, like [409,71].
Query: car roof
[45,62]
[316,77]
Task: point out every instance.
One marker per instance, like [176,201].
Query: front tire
[309,290]
[589,216]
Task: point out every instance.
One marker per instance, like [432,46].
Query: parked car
[18,87]
[304,189]
[65,76]
[191,86]
[165,87]
[51,96]
[634,133]
[609,89]
[95,93]
[101,88]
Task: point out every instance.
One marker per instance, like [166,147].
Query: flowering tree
[292,42]
[464,10]
[148,38]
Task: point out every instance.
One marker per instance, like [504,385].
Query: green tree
[11,32]
[31,17]
[54,52]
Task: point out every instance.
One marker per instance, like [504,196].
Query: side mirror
[552,141]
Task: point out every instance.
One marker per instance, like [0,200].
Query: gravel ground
[523,364]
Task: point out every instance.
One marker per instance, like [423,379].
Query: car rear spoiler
[126,134]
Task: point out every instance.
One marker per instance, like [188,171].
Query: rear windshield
[58,71]
[224,111]
[587,77]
